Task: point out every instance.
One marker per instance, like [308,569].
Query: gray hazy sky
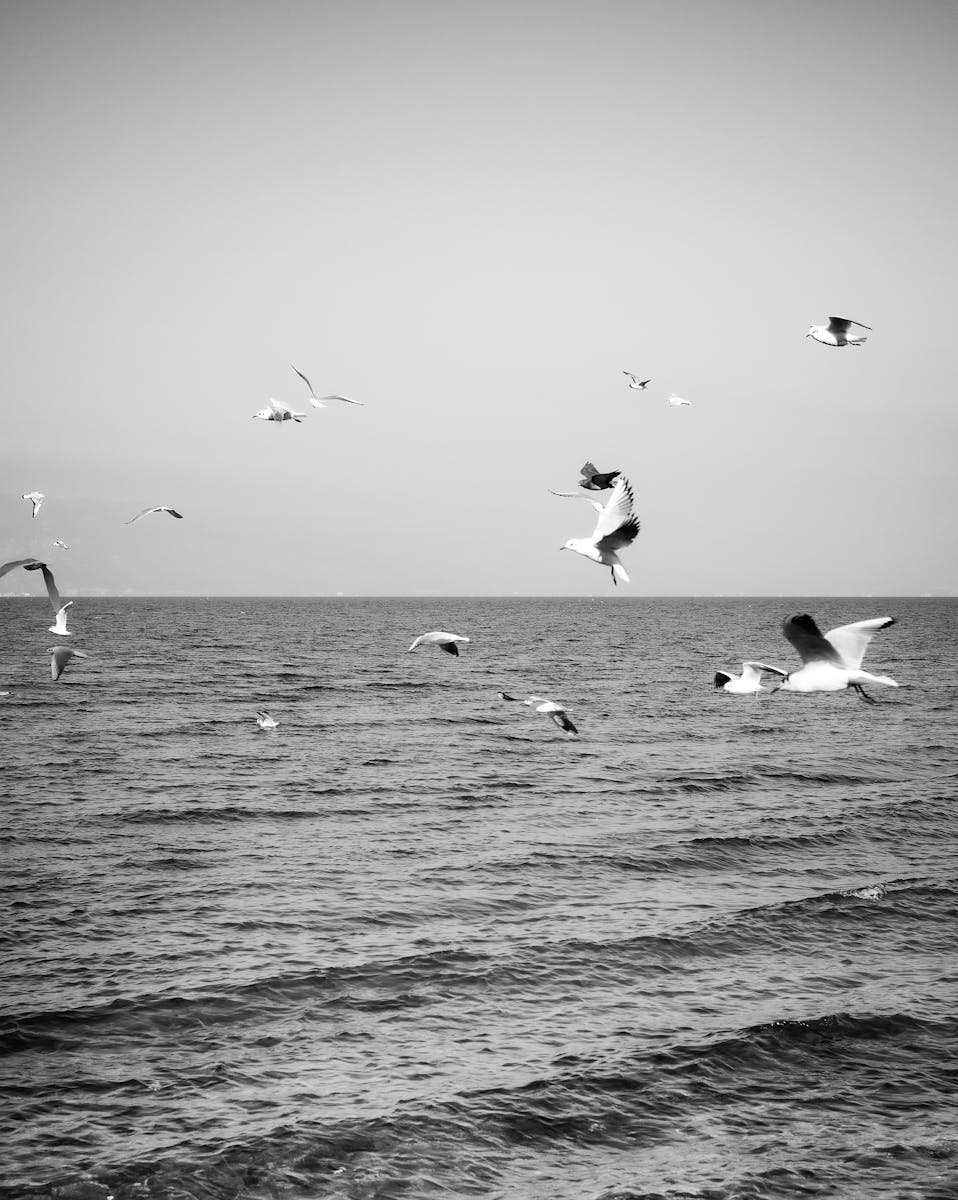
[473,217]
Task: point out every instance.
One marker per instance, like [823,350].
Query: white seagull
[835,333]
[832,662]
[677,401]
[155,508]
[318,401]
[749,681]
[636,383]
[60,628]
[35,498]
[61,544]
[551,708]
[616,527]
[445,641]
[265,721]
[278,411]
[61,657]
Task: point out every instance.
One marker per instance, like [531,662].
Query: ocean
[416,942]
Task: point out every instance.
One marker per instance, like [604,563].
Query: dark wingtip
[450,648]
[721,679]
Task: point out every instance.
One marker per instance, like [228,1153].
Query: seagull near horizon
[551,708]
[265,721]
[832,662]
[318,401]
[60,628]
[636,383]
[35,498]
[594,480]
[61,656]
[677,401]
[155,509]
[616,528]
[835,333]
[278,411]
[445,641]
[749,681]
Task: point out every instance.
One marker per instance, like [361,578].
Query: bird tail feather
[621,572]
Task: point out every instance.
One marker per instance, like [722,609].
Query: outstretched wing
[758,668]
[345,399]
[851,641]
[562,719]
[841,324]
[807,639]
[596,504]
[617,526]
[721,679]
[172,512]
[27,563]
[450,648]
[49,581]
[305,380]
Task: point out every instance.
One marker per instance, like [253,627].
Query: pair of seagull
[641,384]
[616,525]
[278,411]
[831,662]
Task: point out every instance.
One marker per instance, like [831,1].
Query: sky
[473,218]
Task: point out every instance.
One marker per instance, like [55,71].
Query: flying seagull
[265,721]
[445,641]
[60,628]
[835,333]
[61,658]
[35,498]
[616,527]
[635,382]
[156,508]
[556,711]
[62,545]
[677,401]
[278,412]
[749,681]
[596,481]
[34,564]
[318,401]
[832,662]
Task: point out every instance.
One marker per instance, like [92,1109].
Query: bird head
[264,414]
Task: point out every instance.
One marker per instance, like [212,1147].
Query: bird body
[319,401]
[60,628]
[832,662]
[61,544]
[35,498]
[835,333]
[265,721]
[156,508]
[749,681]
[552,709]
[278,411]
[616,527]
[445,641]
[596,481]
[61,658]
[677,401]
[636,383]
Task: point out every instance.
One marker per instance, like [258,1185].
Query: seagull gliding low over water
[551,708]
[832,662]
[61,656]
[749,681]
[445,641]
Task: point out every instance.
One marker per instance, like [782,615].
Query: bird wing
[616,526]
[305,380]
[589,469]
[807,639]
[851,641]
[841,324]
[49,581]
[450,648]
[563,721]
[31,563]
[58,660]
[345,399]
[144,513]
[596,504]
[278,406]
[755,669]
[722,678]
[172,512]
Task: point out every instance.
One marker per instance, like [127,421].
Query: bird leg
[864,695]
[614,580]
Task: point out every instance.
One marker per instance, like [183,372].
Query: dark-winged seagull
[60,658]
[832,662]
[34,564]
[319,401]
[749,681]
[835,333]
[594,480]
[445,641]
[35,498]
[550,707]
[636,383]
[616,527]
[155,509]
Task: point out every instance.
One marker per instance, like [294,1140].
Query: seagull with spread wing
[60,659]
[635,383]
[319,401]
[35,498]
[749,681]
[278,411]
[445,641]
[551,708]
[616,528]
[594,480]
[154,509]
[832,662]
[835,333]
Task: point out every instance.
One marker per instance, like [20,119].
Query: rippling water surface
[416,942]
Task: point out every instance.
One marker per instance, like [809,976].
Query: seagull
[616,527]
[60,628]
[749,681]
[35,498]
[556,711]
[60,659]
[835,333]
[156,508]
[596,504]
[635,382]
[596,481]
[677,401]
[34,564]
[832,662]
[445,641]
[62,545]
[278,412]
[265,721]
[317,401]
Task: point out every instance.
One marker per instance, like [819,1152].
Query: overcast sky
[473,217]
